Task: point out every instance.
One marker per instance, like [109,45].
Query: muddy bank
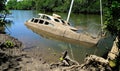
[9,56]
[13,58]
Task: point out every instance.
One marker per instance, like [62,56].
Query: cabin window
[62,21]
[41,21]
[32,19]
[36,20]
[68,23]
[42,16]
[46,23]
[48,18]
[56,20]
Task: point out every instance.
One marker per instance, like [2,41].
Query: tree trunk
[114,53]
[119,39]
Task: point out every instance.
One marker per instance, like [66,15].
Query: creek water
[86,23]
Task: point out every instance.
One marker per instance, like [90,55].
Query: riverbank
[14,58]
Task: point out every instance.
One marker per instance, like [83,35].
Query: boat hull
[62,34]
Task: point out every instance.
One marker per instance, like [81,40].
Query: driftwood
[95,63]
[114,51]
[92,63]
[65,61]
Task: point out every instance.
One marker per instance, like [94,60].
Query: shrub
[9,44]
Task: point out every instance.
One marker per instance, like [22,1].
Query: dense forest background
[80,6]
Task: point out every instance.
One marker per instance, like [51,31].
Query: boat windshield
[64,23]
[56,20]
[45,17]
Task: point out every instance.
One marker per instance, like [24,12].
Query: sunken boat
[57,27]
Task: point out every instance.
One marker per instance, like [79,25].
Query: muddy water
[49,46]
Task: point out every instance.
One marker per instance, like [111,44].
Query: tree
[89,6]
[12,4]
[112,24]
[21,5]
[79,6]
[112,17]
[2,5]
[3,9]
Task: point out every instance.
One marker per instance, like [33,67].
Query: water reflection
[88,23]
[4,24]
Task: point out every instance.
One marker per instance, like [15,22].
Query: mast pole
[101,17]
[70,10]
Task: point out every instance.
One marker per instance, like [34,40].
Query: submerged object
[58,28]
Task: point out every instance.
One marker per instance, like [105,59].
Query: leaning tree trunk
[119,39]
[114,53]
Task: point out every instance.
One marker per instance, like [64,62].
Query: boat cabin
[52,21]
[55,18]
[41,21]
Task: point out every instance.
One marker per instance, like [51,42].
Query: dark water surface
[86,23]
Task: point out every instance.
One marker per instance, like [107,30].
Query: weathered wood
[92,63]
[114,51]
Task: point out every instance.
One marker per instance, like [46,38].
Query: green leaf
[112,63]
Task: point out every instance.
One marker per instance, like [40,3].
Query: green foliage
[112,63]
[9,44]
[84,6]
[112,17]
[3,10]
[112,22]
[2,5]
[87,6]
[24,5]
[61,59]
[12,4]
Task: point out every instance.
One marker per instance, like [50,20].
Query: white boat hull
[63,32]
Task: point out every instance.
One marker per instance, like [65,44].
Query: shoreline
[17,59]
